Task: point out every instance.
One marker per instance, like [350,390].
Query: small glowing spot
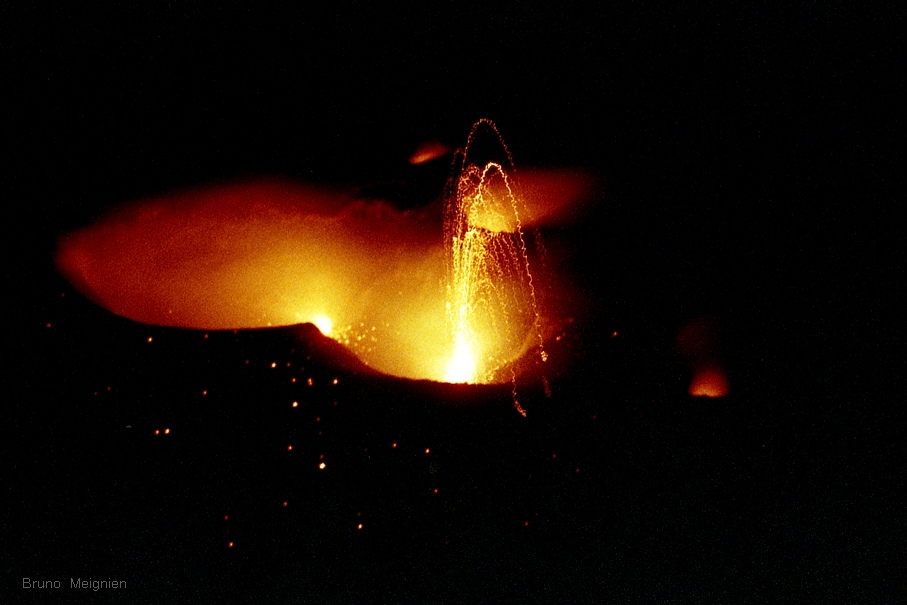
[394,445]
[204,392]
[427,451]
[289,448]
[150,339]
[226,517]
[285,503]
[206,337]
[230,545]
[614,334]
[334,381]
[359,526]
[295,404]
[577,470]
[525,523]
[166,431]
[273,364]
[48,324]
[322,465]
[434,491]
[309,381]
[157,431]
[293,380]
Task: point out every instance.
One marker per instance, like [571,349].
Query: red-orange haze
[710,381]
[700,342]
[271,253]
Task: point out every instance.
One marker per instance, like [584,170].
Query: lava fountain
[373,277]
[492,305]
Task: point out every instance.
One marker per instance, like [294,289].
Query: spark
[492,305]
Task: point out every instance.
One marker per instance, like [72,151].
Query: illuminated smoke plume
[276,252]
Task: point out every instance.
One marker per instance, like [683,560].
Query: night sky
[746,160]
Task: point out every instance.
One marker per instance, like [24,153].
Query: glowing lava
[374,278]
[491,299]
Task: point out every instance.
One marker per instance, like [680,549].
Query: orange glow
[322,465]
[709,382]
[428,151]
[547,196]
[295,404]
[372,277]
[700,342]
[274,253]
[166,431]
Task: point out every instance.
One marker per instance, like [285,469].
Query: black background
[748,159]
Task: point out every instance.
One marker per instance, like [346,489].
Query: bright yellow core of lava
[462,366]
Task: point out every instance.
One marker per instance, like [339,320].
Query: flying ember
[492,305]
